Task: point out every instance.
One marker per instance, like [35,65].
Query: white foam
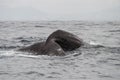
[73,54]
[94,43]
[23,55]
[15,53]
[7,53]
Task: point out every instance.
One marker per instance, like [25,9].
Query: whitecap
[94,43]
[7,53]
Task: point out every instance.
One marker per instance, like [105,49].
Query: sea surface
[98,59]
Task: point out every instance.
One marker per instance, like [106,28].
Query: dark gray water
[99,59]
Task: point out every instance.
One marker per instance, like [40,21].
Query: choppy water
[97,60]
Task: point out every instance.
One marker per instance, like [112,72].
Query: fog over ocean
[36,10]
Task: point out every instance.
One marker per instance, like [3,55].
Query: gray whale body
[56,44]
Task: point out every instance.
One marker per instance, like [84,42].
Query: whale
[56,44]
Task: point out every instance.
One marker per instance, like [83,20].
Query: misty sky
[60,10]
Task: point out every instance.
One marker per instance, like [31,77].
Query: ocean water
[98,59]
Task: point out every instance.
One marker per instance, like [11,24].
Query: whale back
[53,48]
[56,44]
[66,40]
[35,48]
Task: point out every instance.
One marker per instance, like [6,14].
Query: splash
[94,43]
[15,53]
[7,53]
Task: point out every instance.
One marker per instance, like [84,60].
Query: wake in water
[68,54]
[12,53]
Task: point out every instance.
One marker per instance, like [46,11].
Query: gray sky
[60,10]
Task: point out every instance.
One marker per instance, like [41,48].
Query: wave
[93,44]
[90,45]
[14,53]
